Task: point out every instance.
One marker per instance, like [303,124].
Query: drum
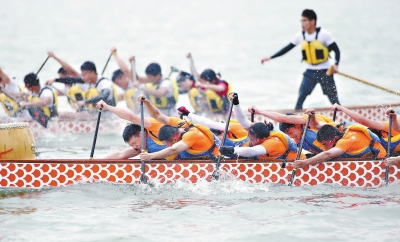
[17,142]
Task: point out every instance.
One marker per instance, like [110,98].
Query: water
[231,37]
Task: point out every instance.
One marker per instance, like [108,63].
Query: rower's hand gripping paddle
[215,174]
[300,149]
[388,148]
[143,179]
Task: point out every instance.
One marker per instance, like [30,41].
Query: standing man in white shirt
[316,45]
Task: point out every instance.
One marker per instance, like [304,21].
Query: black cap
[88,66]
[208,75]
[31,80]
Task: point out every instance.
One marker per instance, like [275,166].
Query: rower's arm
[335,48]
[102,96]
[174,149]
[216,88]
[283,118]
[123,154]
[67,67]
[206,122]
[122,66]
[160,92]
[284,50]
[44,101]
[153,111]
[324,156]
[70,80]
[250,151]
[125,114]
[241,117]
[360,118]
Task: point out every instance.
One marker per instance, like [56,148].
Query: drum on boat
[17,142]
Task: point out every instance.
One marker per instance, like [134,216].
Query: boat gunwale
[168,162]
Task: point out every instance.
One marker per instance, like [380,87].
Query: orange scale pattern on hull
[358,174]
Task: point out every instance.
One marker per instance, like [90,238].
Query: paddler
[236,136]
[75,87]
[215,90]
[162,92]
[316,45]
[100,87]
[264,142]
[132,135]
[124,79]
[381,128]
[44,101]
[16,92]
[293,126]
[352,141]
[184,139]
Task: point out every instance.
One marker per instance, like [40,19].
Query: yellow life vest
[75,93]
[130,99]
[164,102]
[216,103]
[197,99]
[9,103]
[314,52]
[208,99]
[92,92]
[49,112]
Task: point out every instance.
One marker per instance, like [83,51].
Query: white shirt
[12,88]
[168,85]
[324,37]
[105,84]
[45,93]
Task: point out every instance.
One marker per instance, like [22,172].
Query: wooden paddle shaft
[330,72]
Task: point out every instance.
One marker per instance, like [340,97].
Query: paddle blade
[38,115]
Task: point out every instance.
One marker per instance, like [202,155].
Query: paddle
[143,179]
[300,148]
[95,133]
[215,174]
[334,115]
[388,149]
[37,73]
[104,69]
[63,93]
[330,72]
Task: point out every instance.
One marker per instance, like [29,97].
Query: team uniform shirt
[236,131]
[324,37]
[45,93]
[275,148]
[354,141]
[194,138]
[105,84]
[12,88]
